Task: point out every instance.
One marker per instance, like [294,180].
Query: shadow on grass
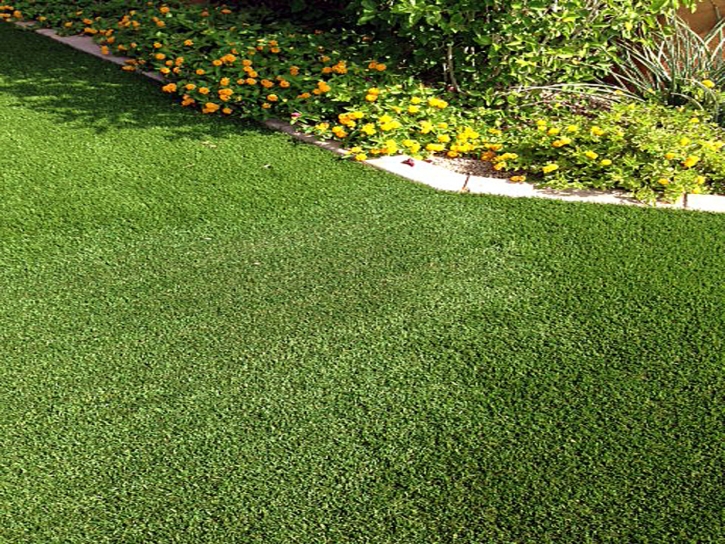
[83,91]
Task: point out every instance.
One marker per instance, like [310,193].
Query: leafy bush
[480,44]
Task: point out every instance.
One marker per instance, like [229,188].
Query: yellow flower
[690,161]
[553,131]
[669,156]
[518,179]
[374,90]
[361,157]
[550,168]
[596,131]
[685,141]
[561,142]
[663,181]
[391,147]
[413,109]
[415,100]
[368,129]
[606,162]
[488,156]
[322,127]
[392,125]
[700,180]
[357,115]
[426,127]
[708,83]
[591,154]
[572,128]
[444,138]
[435,147]
[371,97]
[339,131]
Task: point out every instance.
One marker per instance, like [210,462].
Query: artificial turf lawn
[209,333]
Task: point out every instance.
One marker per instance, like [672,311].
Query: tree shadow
[80,90]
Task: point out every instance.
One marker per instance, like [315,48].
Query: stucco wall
[706,15]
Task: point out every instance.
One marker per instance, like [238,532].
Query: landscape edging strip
[434,176]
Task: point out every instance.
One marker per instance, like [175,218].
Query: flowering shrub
[644,148]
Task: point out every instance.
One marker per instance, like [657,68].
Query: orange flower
[170,88]
[160,56]
[200,72]
[210,107]
[189,86]
[267,84]
[203,90]
[217,62]
[224,82]
[188,43]
[272,98]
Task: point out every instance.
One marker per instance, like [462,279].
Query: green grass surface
[209,333]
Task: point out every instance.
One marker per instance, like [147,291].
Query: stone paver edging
[425,173]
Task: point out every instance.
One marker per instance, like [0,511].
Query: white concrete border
[425,173]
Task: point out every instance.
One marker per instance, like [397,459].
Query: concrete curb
[422,172]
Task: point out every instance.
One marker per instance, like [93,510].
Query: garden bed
[348,89]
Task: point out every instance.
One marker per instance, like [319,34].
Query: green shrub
[480,44]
